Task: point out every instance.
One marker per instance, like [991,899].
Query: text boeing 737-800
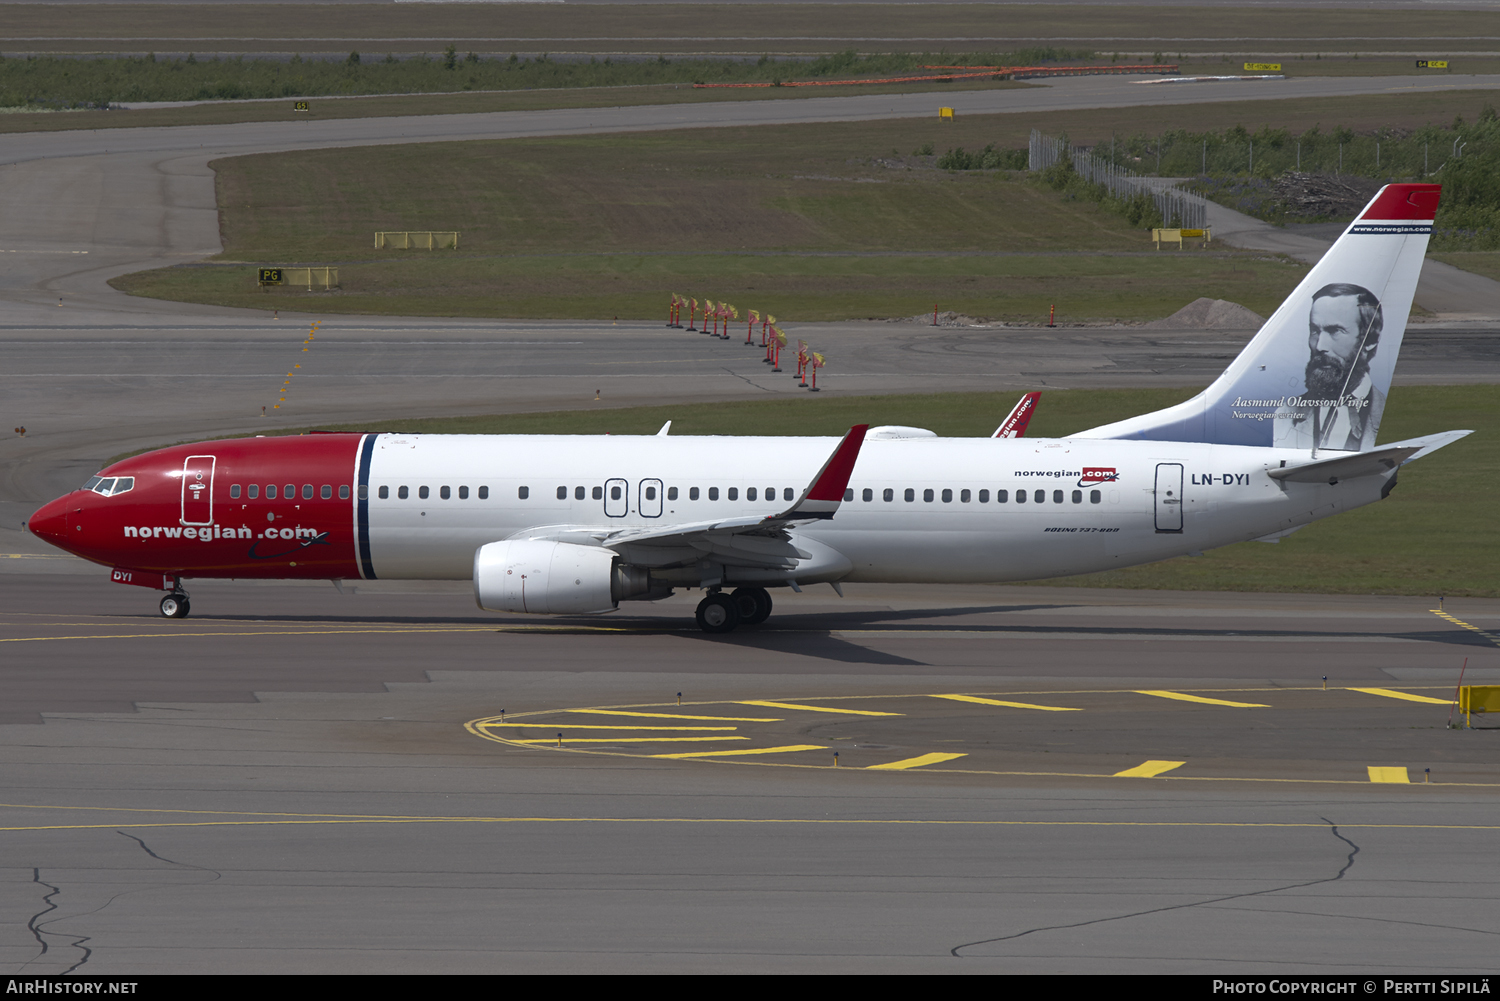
[575,524]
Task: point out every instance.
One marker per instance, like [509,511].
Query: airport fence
[1179,209]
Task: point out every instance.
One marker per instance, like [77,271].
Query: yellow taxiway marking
[917,762]
[1012,705]
[1390,694]
[1179,696]
[1149,769]
[614,740]
[620,712]
[598,726]
[1460,622]
[248,817]
[1387,774]
[752,750]
[815,709]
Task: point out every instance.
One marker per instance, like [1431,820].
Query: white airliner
[577,524]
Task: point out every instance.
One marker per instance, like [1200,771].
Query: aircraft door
[198,490]
[1169,497]
[649,502]
[616,498]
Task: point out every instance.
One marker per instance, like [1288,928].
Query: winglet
[1014,426]
[823,496]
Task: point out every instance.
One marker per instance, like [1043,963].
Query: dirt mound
[1210,314]
[1324,196]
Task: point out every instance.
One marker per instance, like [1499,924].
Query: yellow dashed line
[1387,774]
[816,709]
[1012,705]
[1149,769]
[917,762]
[1180,697]
[619,712]
[614,740]
[752,750]
[596,726]
[1460,622]
[1407,696]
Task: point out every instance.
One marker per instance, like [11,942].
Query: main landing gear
[176,605]
[721,613]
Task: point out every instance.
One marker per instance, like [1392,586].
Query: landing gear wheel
[175,606]
[718,613]
[754,604]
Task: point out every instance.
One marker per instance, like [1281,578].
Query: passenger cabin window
[1095,497]
[750,494]
[963,497]
[385,493]
[947,496]
[402,493]
[327,492]
[598,493]
[849,494]
[289,491]
[270,491]
[1020,497]
[692,493]
[234,492]
[889,495]
[867,495]
[911,495]
[1077,496]
[984,496]
[562,493]
[1001,496]
[423,493]
[579,493]
[1057,496]
[445,492]
[614,493]
[733,493]
[1039,496]
[713,493]
[252,491]
[463,493]
[521,492]
[770,493]
[307,491]
[671,493]
[364,491]
[788,493]
[927,495]
[484,493]
[651,493]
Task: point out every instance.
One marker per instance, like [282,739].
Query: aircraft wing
[1351,465]
[1014,426]
[763,542]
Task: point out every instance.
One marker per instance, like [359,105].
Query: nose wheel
[175,606]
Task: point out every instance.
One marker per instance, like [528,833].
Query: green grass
[1481,262]
[1436,534]
[796,220]
[1125,287]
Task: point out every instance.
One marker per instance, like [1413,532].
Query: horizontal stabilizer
[1374,463]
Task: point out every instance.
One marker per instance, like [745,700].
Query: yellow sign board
[1263,67]
[945,113]
[1432,64]
[270,276]
[1479,698]
[299,106]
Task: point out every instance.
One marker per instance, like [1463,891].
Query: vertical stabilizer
[1317,374]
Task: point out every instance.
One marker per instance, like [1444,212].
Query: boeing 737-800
[576,524]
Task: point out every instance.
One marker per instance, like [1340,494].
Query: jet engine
[550,578]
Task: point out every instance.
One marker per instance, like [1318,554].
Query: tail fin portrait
[1317,374]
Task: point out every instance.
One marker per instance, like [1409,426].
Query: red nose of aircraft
[50,523]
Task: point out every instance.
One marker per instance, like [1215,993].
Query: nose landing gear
[176,605]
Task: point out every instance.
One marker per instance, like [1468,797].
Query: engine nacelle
[550,578]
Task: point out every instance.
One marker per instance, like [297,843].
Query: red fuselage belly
[247,508]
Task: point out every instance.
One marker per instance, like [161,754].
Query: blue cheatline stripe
[366,450]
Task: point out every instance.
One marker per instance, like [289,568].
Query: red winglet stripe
[1404,201]
[1020,418]
[834,479]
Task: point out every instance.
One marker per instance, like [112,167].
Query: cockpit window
[109,486]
